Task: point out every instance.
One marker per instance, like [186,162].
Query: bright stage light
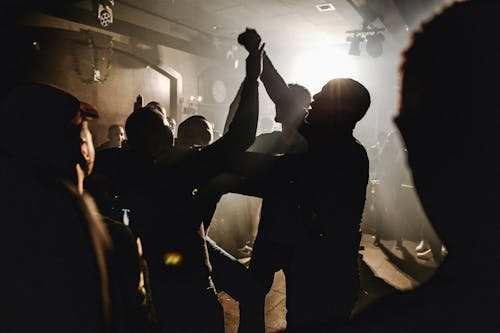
[315,67]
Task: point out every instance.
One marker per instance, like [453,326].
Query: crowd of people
[116,241]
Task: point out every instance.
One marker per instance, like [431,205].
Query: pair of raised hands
[252,42]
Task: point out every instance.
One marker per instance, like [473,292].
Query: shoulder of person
[264,140]
[121,235]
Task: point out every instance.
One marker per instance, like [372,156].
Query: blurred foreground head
[449,115]
[46,127]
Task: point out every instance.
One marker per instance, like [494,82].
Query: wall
[61,56]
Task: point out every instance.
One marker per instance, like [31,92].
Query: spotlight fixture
[105,12]
[374,44]
[355,40]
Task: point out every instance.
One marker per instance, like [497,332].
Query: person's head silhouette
[50,127]
[195,131]
[449,119]
[148,132]
[293,112]
[335,110]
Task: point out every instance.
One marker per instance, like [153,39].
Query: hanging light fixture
[374,46]
[355,40]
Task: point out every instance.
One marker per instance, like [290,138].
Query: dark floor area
[383,269]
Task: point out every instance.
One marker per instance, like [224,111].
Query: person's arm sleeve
[258,172]
[232,109]
[275,85]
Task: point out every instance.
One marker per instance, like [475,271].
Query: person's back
[336,176]
[321,205]
[166,213]
[160,185]
[163,214]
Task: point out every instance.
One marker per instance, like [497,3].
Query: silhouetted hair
[157,106]
[192,131]
[38,121]
[146,129]
[291,108]
[113,127]
[154,104]
[346,102]
[301,94]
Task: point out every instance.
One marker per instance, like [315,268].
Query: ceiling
[288,23]
[197,25]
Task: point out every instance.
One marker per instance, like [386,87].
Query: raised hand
[138,102]
[250,39]
[254,61]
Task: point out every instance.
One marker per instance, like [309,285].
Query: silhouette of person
[133,310]
[291,105]
[448,119]
[373,206]
[321,199]
[55,244]
[291,102]
[391,174]
[167,212]
[130,291]
[227,272]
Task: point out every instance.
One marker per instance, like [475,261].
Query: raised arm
[232,109]
[276,88]
[254,174]
[247,173]
[275,85]
[241,130]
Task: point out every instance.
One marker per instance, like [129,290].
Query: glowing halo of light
[314,67]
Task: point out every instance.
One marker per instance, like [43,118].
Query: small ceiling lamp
[355,40]
[374,45]
[105,12]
